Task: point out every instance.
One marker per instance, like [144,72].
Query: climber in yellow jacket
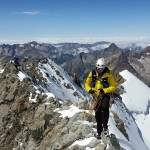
[101,80]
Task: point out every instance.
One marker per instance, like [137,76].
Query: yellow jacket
[105,82]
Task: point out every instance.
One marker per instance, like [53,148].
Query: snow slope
[137,100]
[57,83]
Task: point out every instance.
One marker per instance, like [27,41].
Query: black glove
[91,91]
[101,91]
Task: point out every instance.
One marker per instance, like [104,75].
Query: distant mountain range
[117,59]
[81,58]
[34,49]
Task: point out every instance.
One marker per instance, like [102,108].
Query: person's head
[100,65]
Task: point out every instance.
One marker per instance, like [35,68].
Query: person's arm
[88,83]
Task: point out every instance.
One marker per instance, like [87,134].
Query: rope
[95,103]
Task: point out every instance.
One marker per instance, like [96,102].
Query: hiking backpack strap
[94,78]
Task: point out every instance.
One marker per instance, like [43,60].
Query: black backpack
[104,80]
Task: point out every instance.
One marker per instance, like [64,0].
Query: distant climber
[100,83]
[16,63]
[76,80]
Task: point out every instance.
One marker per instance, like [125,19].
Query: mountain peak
[113,45]
[33,42]
[114,48]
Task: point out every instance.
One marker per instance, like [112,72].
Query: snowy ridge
[133,96]
[132,140]
[60,83]
[136,99]
[56,83]
[133,110]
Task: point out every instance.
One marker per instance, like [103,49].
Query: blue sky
[27,19]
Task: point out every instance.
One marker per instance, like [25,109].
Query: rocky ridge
[28,122]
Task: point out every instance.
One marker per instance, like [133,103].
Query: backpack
[104,80]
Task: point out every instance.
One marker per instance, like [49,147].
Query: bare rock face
[28,125]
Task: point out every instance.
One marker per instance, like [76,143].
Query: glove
[91,91]
[101,91]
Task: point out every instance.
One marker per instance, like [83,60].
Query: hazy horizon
[74,20]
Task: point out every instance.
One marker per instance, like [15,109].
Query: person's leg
[98,117]
[105,108]
[16,67]
[106,118]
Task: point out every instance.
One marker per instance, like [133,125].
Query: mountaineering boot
[98,136]
[105,131]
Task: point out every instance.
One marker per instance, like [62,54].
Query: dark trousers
[17,65]
[102,113]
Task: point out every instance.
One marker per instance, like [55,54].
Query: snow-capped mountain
[38,86]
